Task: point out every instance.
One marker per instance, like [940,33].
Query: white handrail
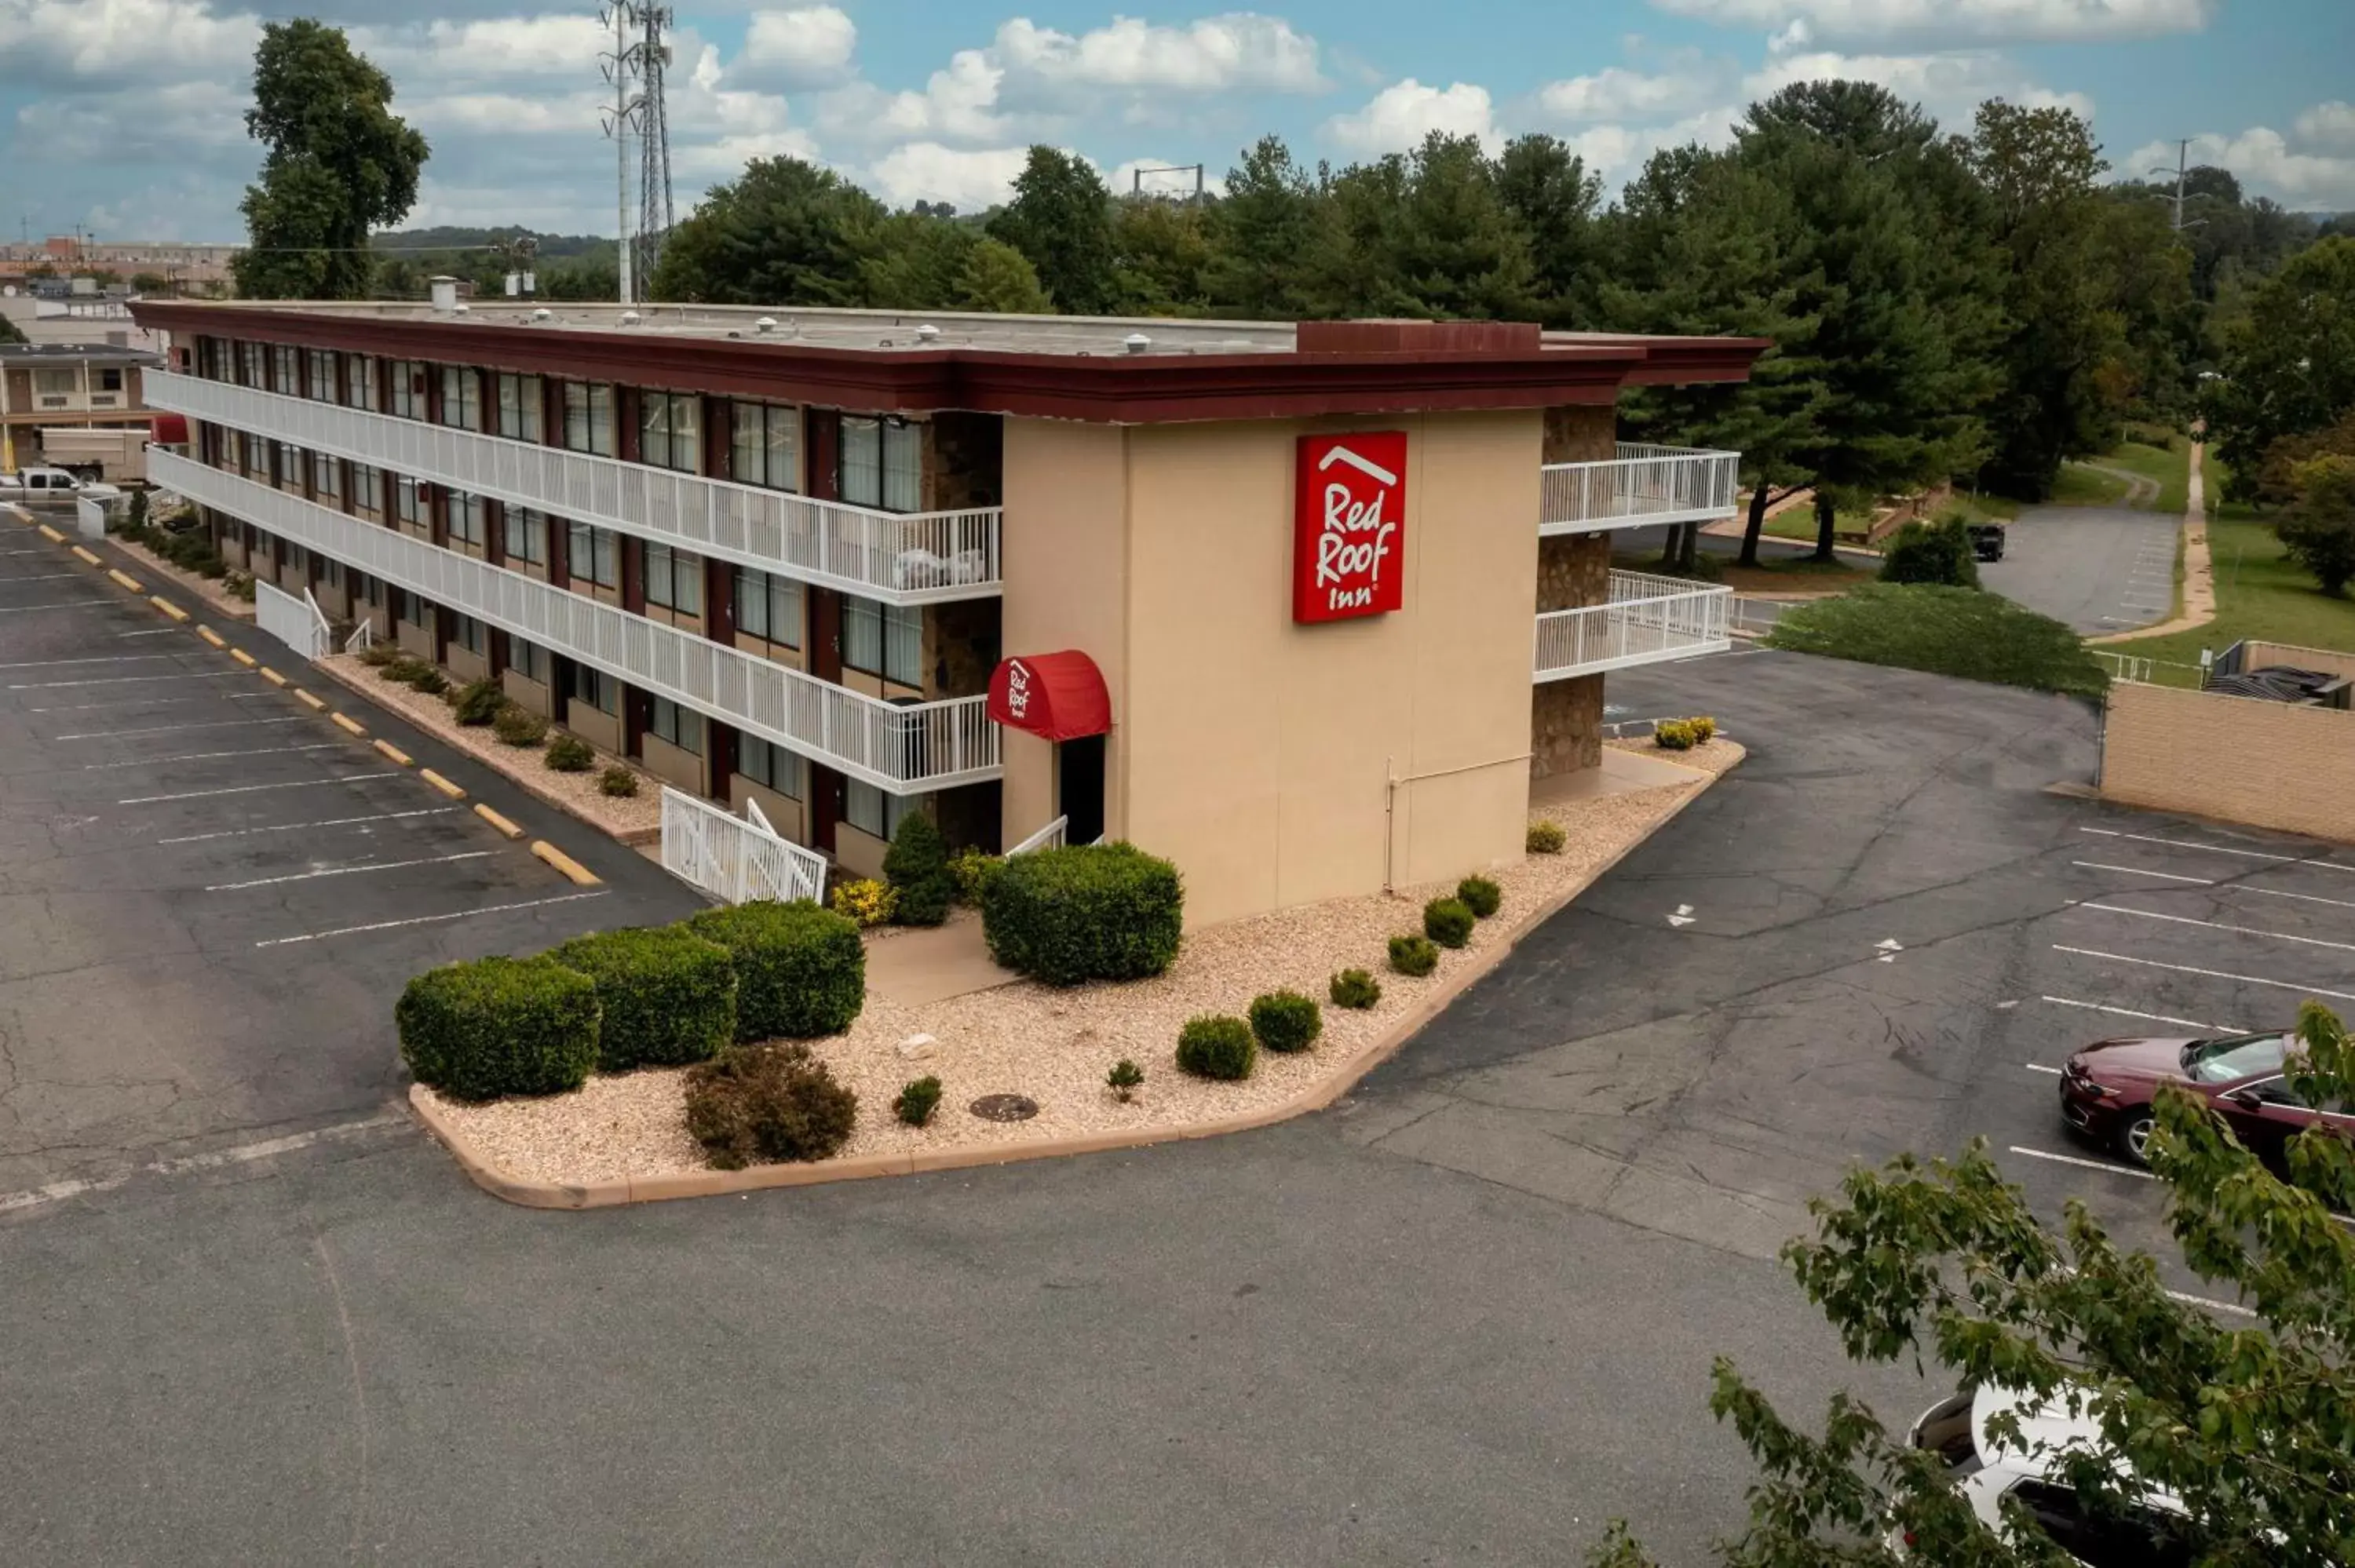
[1049,837]
[900,557]
[363,637]
[289,619]
[905,748]
[1642,486]
[1648,621]
[326,632]
[734,859]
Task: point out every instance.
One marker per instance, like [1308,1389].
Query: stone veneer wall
[1566,717]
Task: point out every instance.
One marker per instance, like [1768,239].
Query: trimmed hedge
[1286,1021]
[800,971]
[479,702]
[515,725]
[973,870]
[1354,988]
[767,1104]
[569,754]
[1414,956]
[1213,1047]
[1480,896]
[669,995]
[1447,921]
[1084,912]
[499,1026]
[618,783]
[917,867]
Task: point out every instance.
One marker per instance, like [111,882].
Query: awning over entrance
[1056,696]
[168,430]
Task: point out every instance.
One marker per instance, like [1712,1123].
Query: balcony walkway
[1643,487]
[1648,621]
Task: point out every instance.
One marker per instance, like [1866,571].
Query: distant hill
[552,247]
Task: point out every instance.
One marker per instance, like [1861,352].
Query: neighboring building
[82,385]
[1305,608]
[195,267]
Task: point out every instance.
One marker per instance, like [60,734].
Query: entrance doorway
[1080,788]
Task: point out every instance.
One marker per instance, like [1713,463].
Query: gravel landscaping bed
[1055,1046]
[633,818]
[211,591]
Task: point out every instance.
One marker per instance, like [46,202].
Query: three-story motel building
[1307,609]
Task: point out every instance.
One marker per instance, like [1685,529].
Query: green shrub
[479,702]
[1673,734]
[1547,838]
[213,569]
[1084,912]
[618,781]
[973,870]
[1354,988]
[239,585]
[404,668]
[917,1100]
[917,867]
[135,511]
[800,971]
[1447,921]
[377,656]
[1286,1020]
[1703,727]
[1124,1079]
[1480,896]
[1411,955]
[864,901]
[767,1104]
[432,682]
[668,996]
[570,754]
[518,726]
[1215,1046]
[499,1026]
[1946,632]
[1937,552]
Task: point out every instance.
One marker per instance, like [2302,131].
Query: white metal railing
[900,557]
[363,637]
[1648,621]
[296,622]
[90,518]
[1049,837]
[734,859]
[903,748]
[2135,669]
[1643,485]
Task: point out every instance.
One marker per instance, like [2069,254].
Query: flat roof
[96,352]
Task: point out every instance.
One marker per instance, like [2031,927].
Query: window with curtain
[326,476]
[470,634]
[324,379]
[871,809]
[291,465]
[670,430]
[596,688]
[461,398]
[331,573]
[886,640]
[408,389]
[674,579]
[772,766]
[862,460]
[769,607]
[589,418]
[520,407]
[595,555]
[408,501]
[764,445]
[359,381]
[682,727]
[367,490]
[528,660]
[467,519]
[903,466]
[525,534]
[254,366]
[286,369]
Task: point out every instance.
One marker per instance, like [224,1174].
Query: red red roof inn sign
[1349,525]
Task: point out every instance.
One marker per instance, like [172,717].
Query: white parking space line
[2040,1068]
[2109,1165]
[2154,1017]
[428,919]
[329,823]
[2219,886]
[2219,849]
[2137,871]
[153,631]
[2210,974]
[175,728]
[348,871]
[255,789]
[123,680]
[66,604]
[2217,926]
[144,701]
[44,577]
[214,755]
[108,659]
[243,1153]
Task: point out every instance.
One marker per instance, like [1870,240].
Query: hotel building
[1307,609]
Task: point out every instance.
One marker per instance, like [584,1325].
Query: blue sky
[123,115]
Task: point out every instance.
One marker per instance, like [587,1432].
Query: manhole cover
[1005,1107]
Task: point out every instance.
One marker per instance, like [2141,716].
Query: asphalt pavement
[1467,1314]
[2100,569]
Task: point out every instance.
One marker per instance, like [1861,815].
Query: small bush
[1673,734]
[1084,912]
[1937,552]
[800,972]
[1414,956]
[499,1026]
[518,726]
[239,585]
[1447,921]
[972,871]
[767,1104]
[1547,838]
[1480,896]
[617,781]
[1354,988]
[917,867]
[570,754]
[865,901]
[432,682]
[479,702]
[1286,1020]
[1703,727]
[1215,1046]
[1124,1079]
[917,1100]
[668,996]
[377,656]
[405,668]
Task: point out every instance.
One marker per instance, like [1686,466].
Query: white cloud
[1216,54]
[1399,116]
[1950,85]
[1984,21]
[2328,125]
[1616,92]
[120,41]
[972,178]
[801,48]
[2267,164]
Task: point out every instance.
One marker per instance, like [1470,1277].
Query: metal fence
[732,859]
[1648,621]
[1642,486]
[1049,837]
[902,558]
[904,748]
[297,622]
[2142,671]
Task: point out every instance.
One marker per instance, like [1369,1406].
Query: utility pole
[2182,168]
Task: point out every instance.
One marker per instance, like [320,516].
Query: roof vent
[629,318]
[443,294]
[766,323]
[543,313]
[927,332]
[1137,342]
[458,310]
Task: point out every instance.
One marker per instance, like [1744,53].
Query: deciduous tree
[2290,368]
[1061,217]
[782,233]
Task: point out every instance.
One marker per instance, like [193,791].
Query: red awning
[168,431]
[1056,696]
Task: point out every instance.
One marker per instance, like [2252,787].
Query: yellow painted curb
[314,704]
[272,677]
[51,534]
[88,555]
[1343,1078]
[393,751]
[348,724]
[572,869]
[167,606]
[242,657]
[209,635]
[442,784]
[497,820]
[126,579]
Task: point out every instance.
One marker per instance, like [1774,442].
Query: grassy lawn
[1776,575]
[2169,466]
[1946,632]
[1799,522]
[2080,485]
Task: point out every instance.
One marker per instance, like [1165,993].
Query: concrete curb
[1341,1075]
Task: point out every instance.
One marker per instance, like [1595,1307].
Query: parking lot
[2098,568]
[212,893]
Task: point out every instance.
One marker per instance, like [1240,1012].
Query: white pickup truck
[51,484]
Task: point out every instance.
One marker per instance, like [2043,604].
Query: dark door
[1080,788]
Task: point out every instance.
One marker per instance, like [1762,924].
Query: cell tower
[635,68]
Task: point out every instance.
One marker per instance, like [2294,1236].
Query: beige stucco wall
[2245,760]
[465,665]
[527,693]
[859,854]
[1255,753]
[678,769]
[413,639]
[600,729]
[784,813]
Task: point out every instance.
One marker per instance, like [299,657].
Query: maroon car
[2106,1089]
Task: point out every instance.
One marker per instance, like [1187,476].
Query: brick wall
[2268,763]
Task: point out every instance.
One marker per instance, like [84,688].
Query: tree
[1263,234]
[1552,195]
[1457,249]
[340,164]
[782,233]
[996,277]
[2251,1425]
[912,260]
[1061,217]
[150,282]
[2290,368]
[1161,256]
[10,332]
[2320,530]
